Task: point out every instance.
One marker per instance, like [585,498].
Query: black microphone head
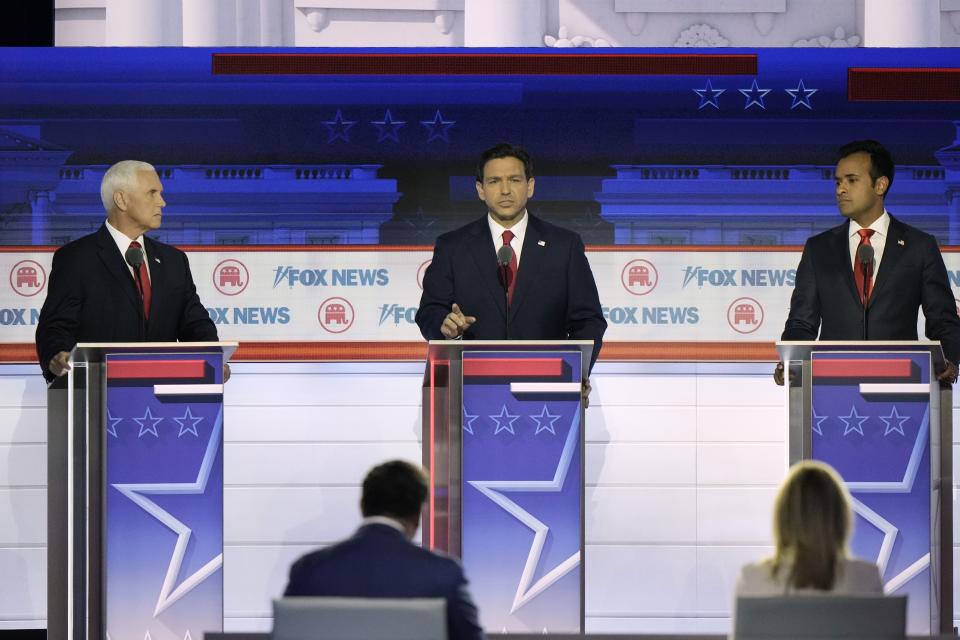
[504,255]
[134,256]
[865,254]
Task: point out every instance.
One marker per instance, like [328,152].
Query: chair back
[314,618]
[821,617]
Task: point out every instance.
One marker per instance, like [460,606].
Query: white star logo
[709,96]
[145,427]
[505,421]
[817,428]
[894,416]
[112,427]
[801,96]
[388,128]
[494,489]
[754,95]
[847,420]
[136,493]
[188,428]
[545,421]
[468,419]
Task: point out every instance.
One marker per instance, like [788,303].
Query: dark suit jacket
[911,275]
[93,298]
[555,297]
[379,562]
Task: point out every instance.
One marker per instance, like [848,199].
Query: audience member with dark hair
[812,523]
[380,561]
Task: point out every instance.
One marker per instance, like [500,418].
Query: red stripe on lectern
[851,368]
[153,369]
[484,64]
[513,367]
[903,85]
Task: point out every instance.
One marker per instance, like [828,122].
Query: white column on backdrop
[135,23]
[209,23]
[504,23]
[898,23]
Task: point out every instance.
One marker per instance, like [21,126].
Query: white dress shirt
[123,243]
[878,241]
[519,231]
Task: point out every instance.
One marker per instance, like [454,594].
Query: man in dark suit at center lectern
[901,271]
[380,561]
[544,290]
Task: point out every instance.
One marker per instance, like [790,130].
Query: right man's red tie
[858,267]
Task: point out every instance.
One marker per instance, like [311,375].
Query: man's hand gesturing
[456,323]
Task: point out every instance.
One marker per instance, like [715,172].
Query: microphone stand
[866,301]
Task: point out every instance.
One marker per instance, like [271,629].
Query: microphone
[504,258]
[865,256]
[134,257]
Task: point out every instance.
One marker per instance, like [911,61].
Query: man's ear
[479,190]
[530,184]
[119,200]
[881,185]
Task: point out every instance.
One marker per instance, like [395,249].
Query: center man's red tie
[858,267]
[511,270]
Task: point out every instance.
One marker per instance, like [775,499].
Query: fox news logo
[738,277]
[293,276]
[652,315]
[397,314]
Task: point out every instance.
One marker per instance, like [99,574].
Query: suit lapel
[484,256]
[116,266]
[529,268]
[841,244]
[157,276]
[892,252]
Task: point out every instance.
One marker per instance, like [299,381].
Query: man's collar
[881,225]
[120,237]
[518,229]
[390,522]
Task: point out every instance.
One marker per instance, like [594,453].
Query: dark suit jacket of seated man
[554,297]
[93,295]
[380,561]
[826,303]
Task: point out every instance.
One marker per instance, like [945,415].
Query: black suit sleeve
[462,623]
[195,324]
[438,292]
[584,314]
[939,306]
[60,314]
[803,322]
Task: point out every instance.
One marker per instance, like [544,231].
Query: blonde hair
[812,520]
[120,176]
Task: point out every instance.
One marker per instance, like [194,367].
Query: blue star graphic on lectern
[494,490]
[192,426]
[709,96]
[545,421]
[894,416]
[388,128]
[468,419]
[754,95]
[170,592]
[112,427]
[801,96]
[505,421]
[438,127]
[847,420]
[338,128]
[148,428]
[818,421]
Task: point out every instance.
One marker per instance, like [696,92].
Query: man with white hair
[116,285]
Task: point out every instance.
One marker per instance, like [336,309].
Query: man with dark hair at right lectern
[837,278]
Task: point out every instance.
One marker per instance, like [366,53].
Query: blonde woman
[812,522]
